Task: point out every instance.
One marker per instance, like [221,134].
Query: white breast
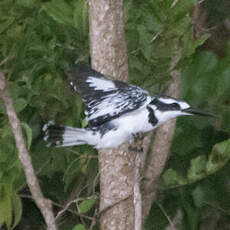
[127,125]
[134,122]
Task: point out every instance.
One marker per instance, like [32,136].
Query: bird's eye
[175,106]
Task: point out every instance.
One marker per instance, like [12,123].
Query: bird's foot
[135,149]
[138,136]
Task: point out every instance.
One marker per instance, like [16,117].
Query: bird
[115,111]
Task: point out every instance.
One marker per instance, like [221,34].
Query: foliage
[217,11]
[86,205]
[43,39]
[79,227]
[201,166]
[41,51]
[151,29]
[205,83]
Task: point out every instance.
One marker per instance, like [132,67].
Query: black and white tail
[58,135]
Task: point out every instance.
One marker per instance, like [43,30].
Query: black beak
[198,112]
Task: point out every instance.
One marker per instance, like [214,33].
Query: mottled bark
[137,197]
[43,204]
[160,148]
[107,39]
[116,166]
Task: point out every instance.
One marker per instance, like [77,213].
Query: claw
[135,149]
[139,136]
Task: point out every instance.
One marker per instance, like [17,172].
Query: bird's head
[165,108]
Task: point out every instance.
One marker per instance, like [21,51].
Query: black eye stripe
[164,106]
[175,106]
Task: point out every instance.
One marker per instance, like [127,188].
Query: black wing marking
[82,78]
[104,98]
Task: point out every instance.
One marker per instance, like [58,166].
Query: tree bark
[116,166]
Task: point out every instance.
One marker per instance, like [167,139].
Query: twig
[5,60]
[94,221]
[171,224]
[155,36]
[43,204]
[226,212]
[66,207]
[137,200]
[174,3]
[71,201]
[95,182]
[112,205]
[23,185]
[60,206]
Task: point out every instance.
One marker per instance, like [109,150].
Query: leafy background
[43,39]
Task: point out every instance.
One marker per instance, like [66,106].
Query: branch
[174,223]
[43,204]
[137,199]
[112,205]
[64,209]
[156,160]
[70,210]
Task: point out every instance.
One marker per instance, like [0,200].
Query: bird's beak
[191,111]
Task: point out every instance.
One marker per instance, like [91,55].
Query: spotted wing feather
[104,98]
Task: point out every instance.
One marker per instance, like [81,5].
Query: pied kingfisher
[115,111]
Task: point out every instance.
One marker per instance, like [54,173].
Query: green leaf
[197,169]
[145,40]
[28,132]
[181,8]
[151,21]
[86,205]
[201,40]
[5,202]
[199,196]
[80,16]
[187,137]
[84,123]
[17,209]
[71,171]
[179,28]
[219,156]
[159,9]
[5,22]
[172,178]
[60,11]
[26,3]
[192,215]
[1,219]
[200,167]
[132,40]
[19,104]
[79,227]
[190,45]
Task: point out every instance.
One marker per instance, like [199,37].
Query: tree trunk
[116,166]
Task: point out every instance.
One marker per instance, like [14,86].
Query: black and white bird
[115,111]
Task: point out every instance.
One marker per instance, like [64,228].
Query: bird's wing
[104,98]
